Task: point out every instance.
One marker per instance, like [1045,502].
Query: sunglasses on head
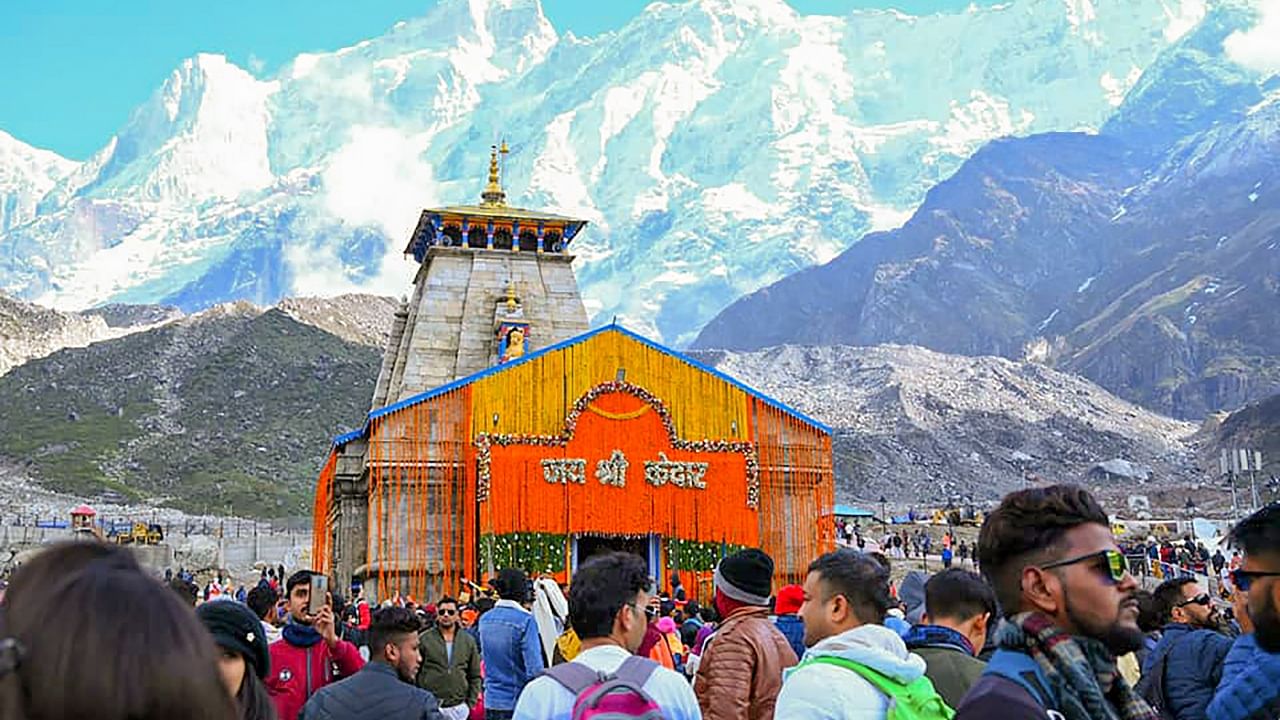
[1242,579]
[1114,569]
[1201,599]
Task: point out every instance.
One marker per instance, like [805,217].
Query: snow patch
[736,201]
[1116,88]
[1045,323]
[984,117]
[1182,18]
[1086,284]
[303,65]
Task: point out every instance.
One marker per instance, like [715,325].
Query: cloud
[378,179]
[1257,48]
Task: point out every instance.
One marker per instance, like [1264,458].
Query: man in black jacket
[383,689]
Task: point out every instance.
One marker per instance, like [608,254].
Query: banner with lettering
[620,469]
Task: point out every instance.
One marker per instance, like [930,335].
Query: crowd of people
[1056,627]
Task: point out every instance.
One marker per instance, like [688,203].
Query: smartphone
[319,593]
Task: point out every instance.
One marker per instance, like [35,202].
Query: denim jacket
[511,651]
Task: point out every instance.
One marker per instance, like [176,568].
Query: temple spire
[493,195]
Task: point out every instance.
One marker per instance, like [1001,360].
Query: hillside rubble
[916,425]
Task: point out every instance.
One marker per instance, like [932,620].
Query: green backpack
[915,701]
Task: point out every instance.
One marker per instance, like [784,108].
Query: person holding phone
[309,654]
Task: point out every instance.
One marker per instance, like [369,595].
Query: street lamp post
[1191,515]
[884,519]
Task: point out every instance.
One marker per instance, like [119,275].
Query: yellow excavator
[141,534]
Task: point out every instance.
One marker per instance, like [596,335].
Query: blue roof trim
[614,327]
[345,438]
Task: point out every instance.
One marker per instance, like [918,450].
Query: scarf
[1254,694]
[299,635]
[1081,671]
[920,636]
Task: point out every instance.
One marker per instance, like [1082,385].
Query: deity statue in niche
[510,327]
[515,343]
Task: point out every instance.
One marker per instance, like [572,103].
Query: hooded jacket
[829,692]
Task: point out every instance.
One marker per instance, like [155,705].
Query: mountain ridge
[713,145]
[1147,264]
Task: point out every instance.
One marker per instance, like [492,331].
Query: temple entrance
[588,546]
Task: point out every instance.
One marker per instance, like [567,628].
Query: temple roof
[578,340]
[493,208]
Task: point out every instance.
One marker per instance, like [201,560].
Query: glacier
[715,146]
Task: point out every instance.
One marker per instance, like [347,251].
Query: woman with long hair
[243,658]
[86,633]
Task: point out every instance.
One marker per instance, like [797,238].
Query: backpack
[916,700]
[1150,686]
[609,696]
[1022,669]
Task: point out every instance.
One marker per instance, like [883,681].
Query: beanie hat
[789,600]
[666,625]
[746,576]
[235,627]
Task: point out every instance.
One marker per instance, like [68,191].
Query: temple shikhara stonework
[505,433]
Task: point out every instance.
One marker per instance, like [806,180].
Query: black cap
[746,576]
[235,627]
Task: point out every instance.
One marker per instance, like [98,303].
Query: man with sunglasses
[1253,693]
[450,663]
[1070,608]
[1182,672]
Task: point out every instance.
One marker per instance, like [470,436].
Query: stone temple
[504,432]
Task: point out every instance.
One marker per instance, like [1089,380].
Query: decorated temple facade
[505,434]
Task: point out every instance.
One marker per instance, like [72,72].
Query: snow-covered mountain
[26,174]
[716,145]
[1145,257]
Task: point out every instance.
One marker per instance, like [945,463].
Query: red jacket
[288,684]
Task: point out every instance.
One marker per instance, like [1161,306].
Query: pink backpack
[609,696]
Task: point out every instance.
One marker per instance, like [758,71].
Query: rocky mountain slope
[1254,427]
[29,331]
[223,411]
[916,425]
[1146,258]
[227,412]
[714,144]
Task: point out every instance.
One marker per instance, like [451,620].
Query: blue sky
[74,69]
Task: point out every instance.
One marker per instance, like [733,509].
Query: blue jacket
[1250,687]
[1243,654]
[1192,671]
[511,651]
[792,628]
[374,693]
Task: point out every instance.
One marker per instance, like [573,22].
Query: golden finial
[511,300]
[493,194]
